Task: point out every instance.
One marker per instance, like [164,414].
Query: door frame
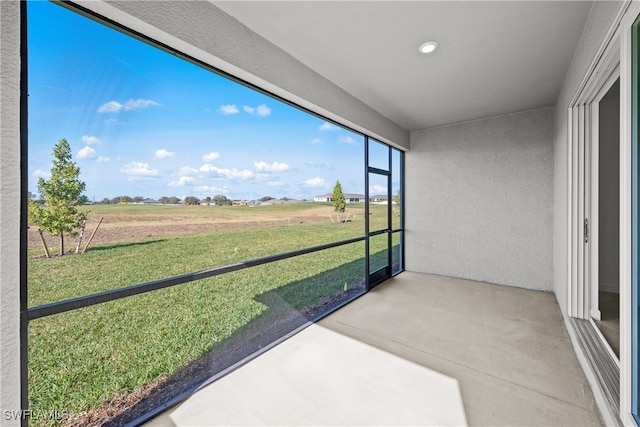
[583,168]
[376,277]
[592,207]
[627,272]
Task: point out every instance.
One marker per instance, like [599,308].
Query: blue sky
[142,122]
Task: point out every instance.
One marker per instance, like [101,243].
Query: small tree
[339,201]
[61,195]
[221,200]
[191,200]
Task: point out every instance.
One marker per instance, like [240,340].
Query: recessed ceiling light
[428,47]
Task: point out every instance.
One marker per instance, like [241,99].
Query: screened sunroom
[481,269]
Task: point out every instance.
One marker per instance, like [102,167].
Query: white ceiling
[493,57]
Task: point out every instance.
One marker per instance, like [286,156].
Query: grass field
[78,360]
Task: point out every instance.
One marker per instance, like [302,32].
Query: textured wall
[205,32]
[9,208]
[479,200]
[598,23]
[609,189]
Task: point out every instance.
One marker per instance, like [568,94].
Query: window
[212,194]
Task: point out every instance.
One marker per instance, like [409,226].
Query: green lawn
[81,358]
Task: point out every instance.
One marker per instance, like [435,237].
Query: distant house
[378,198]
[151,202]
[323,198]
[354,198]
[350,198]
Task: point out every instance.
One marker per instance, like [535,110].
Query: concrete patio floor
[417,350]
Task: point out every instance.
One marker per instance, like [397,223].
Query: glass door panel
[379,269]
[378,198]
[396,186]
[396,253]
[378,155]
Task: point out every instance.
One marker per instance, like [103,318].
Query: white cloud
[275,183]
[377,189]
[39,173]
[208,168]
[236,173]
[90,140]
[131,104]
[314,182]
[227,173]
[316,141]
[181,182]
[139,170]
[263,111]
[103,159]
[273,167]
[347,140]
[228,109]
[186,170]
[328,126]
[86,153]
[210,157]
[110,107]
[209,189]
[138,104]
[164,154]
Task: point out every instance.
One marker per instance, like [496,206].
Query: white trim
[580,219]
[594,215]
[625,213]
[601,401]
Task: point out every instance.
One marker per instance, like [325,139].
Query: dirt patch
[118,228]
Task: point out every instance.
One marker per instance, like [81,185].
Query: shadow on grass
[289,307]
[124,245]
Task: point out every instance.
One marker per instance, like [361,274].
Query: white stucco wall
[600,19]
[9,208]
[479,200]
[200,29]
